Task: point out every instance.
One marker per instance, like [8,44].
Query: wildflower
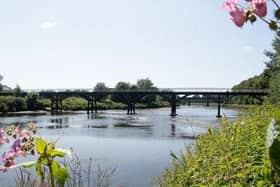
[3,139]
[32,127]
[17,148]
[21,133]
[259,7]
[237,14]
[8,160]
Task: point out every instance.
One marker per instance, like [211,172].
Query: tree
[121,97]
[32,101]
[17,91]
[268,79]
[275,88]
[1,86]
[146,84]
[101,86]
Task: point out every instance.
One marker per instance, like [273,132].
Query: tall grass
[233,155]
[91,175]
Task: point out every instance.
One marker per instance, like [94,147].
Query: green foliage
[3,108]
[146,84]
[100,87]
[273,144]
[46,159]
[43,103]
[268,79]
[1,86]
[274,85]
[12,103]
[234,155]
[17,91]
[123,97]
[32,101]
[74,103]
[60,173]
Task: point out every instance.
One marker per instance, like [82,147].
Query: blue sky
[176,43]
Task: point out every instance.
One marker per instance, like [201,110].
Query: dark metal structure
[174,95]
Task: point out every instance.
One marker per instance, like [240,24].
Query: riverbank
[234,155]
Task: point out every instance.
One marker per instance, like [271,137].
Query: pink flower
[3,139]
[21,133]
[259,7]
[17,149]
[8,160]
[21,153]
[237,15]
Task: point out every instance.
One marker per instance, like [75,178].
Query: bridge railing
[190,90]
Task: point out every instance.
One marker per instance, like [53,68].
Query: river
[137,146]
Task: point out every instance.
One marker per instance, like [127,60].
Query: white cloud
[47,25]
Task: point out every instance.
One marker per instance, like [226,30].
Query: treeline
[268,79]
[104,101]
[17,103]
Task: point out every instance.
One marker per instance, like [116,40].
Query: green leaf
[59,173]
[54,153]
[43,160]
[39,171]
[173,156]
[274,152]
[29,164]
[51,146]
[66,151]
[273,144]
[41,145]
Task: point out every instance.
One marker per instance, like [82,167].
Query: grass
[92,175]
[233,155]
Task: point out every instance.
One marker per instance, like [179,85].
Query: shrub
[234,155]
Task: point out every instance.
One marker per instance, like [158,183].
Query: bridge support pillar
[131,107]
[173,105]
[91,105]
[189,102]
[219,107]
[95,104]
[56,105]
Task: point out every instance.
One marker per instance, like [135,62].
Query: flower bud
[277,14]
[273,25]
[252,18]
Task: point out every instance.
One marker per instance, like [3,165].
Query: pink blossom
[9,160]
[16,146]
[237,14]
[259,7]
[3,139]
[21,133]
[21,153]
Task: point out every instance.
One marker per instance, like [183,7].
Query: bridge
[173,95]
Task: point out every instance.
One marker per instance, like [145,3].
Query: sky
[176,43]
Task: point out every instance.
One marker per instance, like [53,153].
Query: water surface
[138,146]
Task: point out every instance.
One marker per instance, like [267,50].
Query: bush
[234,155]
[74,103]
[13,103]
[3,108]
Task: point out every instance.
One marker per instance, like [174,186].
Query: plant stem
[264,20]
[276,4]
[51,174]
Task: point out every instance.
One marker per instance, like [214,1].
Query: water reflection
[132,143]
[156,123]
[173,129]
